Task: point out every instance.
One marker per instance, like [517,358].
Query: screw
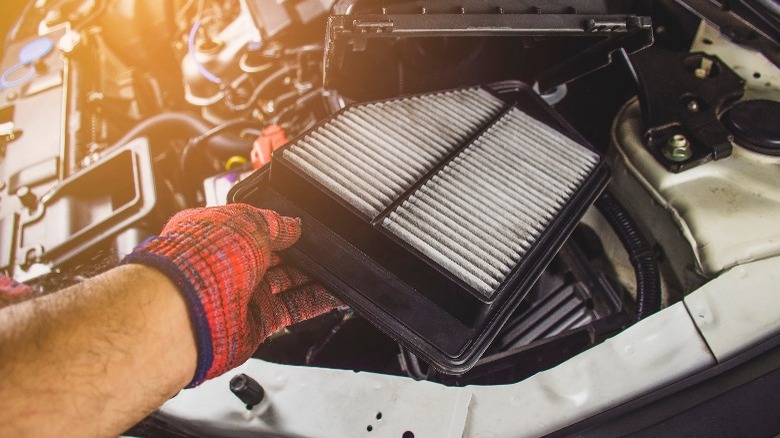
[693,106]
[704,70]
[677,148]
[678,141]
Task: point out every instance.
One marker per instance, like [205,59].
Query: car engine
[116,114]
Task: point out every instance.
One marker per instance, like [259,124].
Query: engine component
[355,23]
[32,53]
[754,124]
[216,188]
[681,104]
[31,97]
[274,18]
[52,209]
[750,24]
[241,61]
[211,62]
[386,191]
[83,211]
[740,186]
[570,308]
[247,390]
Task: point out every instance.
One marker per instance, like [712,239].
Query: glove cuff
[198,317]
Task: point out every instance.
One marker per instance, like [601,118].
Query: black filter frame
[404,294]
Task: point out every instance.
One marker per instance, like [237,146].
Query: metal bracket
[681,95]
[743,22]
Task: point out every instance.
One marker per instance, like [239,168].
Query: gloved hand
[222,261]
[12,292]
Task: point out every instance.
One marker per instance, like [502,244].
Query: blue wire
[191,46]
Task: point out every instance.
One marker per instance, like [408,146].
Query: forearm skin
[95,358]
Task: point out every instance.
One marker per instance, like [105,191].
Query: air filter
[432,215]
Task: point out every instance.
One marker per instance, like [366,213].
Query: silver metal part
[678,148]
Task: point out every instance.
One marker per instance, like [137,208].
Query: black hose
[204,138]
[411,365]
[265,83]
[299,104]
[316,349]
[167,126]
[642,257]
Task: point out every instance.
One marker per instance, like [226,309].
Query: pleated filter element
[483,211]
[433,215]
[371,154]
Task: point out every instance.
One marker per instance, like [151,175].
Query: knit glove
[237,291]
[12,292]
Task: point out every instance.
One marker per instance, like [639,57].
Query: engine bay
[116,114]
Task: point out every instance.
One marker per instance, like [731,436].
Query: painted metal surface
[727,210]
[316,402]
[739,309]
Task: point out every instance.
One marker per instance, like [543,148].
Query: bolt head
[678,141]
[677,149]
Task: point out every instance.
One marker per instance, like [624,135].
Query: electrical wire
[314,350]
[191,46]
[195,142]
[411,365]
[246,68]
[299,103]
[641,255]
[282,72]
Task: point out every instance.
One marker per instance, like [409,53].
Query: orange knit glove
[237,292]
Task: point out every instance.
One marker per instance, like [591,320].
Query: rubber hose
[642,257]
[171,125]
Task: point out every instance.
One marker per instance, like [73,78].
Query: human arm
[95,358]
[98,357]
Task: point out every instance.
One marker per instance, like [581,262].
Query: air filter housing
[432,215]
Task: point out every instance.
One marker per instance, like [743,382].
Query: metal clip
[372,26]
[605,26]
